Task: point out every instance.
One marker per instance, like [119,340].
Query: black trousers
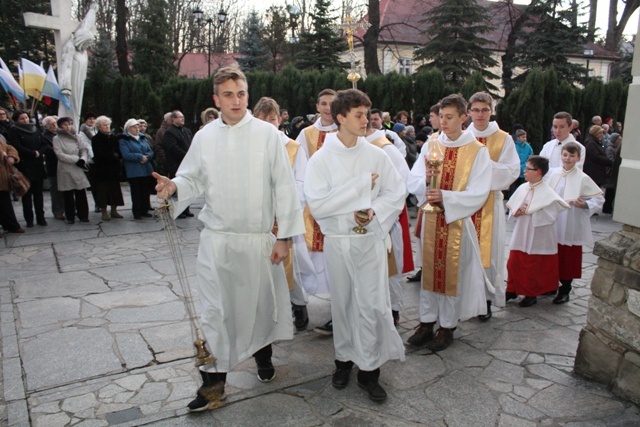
[75,200]
[7,215]
[140,195]
[33,200]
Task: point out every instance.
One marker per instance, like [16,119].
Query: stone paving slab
[95,333]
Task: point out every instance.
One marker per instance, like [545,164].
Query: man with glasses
[505,168]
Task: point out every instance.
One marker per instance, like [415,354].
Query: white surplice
[397,280]
[552,150]
[503,173]
[574,224]
[458,205]
[244,174]
[337,184]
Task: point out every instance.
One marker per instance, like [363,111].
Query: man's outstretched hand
[164,188]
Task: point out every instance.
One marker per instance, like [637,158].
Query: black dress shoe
[423,334]
[375,391]
[485,317]
[189,214]
[29,225]
[42,222]
[528,301]
[561,299]
[182,216]
[416,277]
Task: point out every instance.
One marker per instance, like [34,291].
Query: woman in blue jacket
[137,155]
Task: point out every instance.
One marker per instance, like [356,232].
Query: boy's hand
[165,187]
[374,176]
[579,203]
[521,211]
[370,214]
[431,172]
[280,251]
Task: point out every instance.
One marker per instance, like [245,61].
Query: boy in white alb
[533,260]
[298,268]
[311,140]
[491,220]
[453,285]
[352,183]
[574,225]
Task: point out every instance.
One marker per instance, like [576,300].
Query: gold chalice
[362,216]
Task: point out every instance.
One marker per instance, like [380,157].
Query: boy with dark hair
[573,225]
[552,150]
[356,195]
[452,277]
[532,267]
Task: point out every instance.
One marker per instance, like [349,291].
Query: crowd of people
[319,204]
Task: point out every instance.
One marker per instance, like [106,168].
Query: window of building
[405,66]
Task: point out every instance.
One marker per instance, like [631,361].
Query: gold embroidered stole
[380,142]
[483,219]
[441,241]
[292,150]
[313,236]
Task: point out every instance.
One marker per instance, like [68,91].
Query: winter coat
[26,138]
[51,160]
[132,151]
[10,151]
[596,161]
[106,158]
[69,150]
[524,151]
[176,142]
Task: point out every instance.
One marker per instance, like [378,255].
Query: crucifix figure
[72,39]
[349,27]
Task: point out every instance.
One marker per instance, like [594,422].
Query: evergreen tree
[102,71]
[19,41]
[530,109]
[251,46]
[456,45]
[320,48]
[546,41]
[275,37]
[152,54]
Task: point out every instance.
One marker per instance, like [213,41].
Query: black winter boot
[340,377]
[368,380]
[266,371]
[211,394]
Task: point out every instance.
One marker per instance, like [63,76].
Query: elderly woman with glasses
[137,155]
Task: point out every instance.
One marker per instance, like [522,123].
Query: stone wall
[609,348]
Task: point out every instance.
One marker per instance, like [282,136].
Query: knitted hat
[62,120]
[594,130]
[613,138]
[129,123]
[398,127]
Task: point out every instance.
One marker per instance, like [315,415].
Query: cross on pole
[60,21]
[349,26]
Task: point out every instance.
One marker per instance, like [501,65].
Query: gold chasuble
[313,236]
[441,241]
[483,219]
[292,150]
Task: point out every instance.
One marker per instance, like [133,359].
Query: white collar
[330,128]
[465,138]
[490,130]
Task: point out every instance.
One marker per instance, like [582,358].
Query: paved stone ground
[94,333]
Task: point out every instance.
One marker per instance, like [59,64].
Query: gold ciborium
[433,160]
[362,216]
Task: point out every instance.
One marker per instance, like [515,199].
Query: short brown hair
[571,147]
[540,163]
[482,97]
[227,73]
[456,101]
[563,115]
[325,92]
[345,100]
[266,106]
[520,132]
[435,108]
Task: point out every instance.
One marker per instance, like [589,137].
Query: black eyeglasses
[480,110]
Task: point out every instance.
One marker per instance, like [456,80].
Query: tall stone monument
[609,347]
[72,39]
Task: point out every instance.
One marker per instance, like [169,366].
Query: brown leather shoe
[423,334]
[442,339]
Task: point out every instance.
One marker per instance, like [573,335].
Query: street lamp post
[294,13]
[201,20]
[588,53]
